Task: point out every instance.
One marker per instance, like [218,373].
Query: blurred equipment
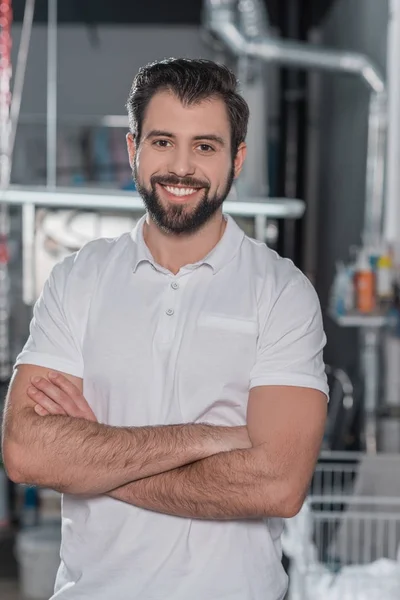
[61,232]
[37,541]
[345,543]
[344,425]
[9,115]
[124,203]
[220,19]
[5,170]
[389,422]
[38,555]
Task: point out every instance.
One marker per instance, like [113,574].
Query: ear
[130,142]
[239,159]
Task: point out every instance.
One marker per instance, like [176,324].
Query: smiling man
[172,386]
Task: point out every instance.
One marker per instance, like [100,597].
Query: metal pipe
[22,59]
[28,254]
[220,19]
[252,22]
[295,54]
[276,208]
[52,94]
[375,171]
[253,18]
[313,164]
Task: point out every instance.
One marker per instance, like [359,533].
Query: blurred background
[321,186]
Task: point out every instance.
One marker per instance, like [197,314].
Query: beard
[178,219]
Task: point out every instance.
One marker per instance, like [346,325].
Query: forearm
[230,485]
[83,457]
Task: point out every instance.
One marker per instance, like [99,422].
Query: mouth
[180,193]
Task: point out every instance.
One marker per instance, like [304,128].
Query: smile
[180,191]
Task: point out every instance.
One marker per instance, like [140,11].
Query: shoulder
[81,269]
[277,277]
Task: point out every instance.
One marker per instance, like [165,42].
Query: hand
[57,395]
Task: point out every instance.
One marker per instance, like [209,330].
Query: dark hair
[191,80]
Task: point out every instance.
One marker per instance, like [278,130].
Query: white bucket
[38,555]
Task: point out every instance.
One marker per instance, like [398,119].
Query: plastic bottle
[341,297]
[364,284]
[384,279]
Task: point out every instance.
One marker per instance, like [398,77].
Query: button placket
[172,301]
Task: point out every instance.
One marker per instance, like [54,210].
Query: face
[183,166]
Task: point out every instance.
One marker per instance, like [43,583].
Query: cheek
[219,181]
[147,165]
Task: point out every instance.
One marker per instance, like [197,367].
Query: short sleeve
[291,340]
[51,342]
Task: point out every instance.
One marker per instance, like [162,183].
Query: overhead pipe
[253,18]
[253,24]
[220,20]
[51,142]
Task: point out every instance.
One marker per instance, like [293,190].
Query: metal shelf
[278,208]
[358,320]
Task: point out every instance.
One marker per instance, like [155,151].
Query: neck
[175,251]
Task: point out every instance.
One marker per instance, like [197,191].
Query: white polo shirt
[155,348]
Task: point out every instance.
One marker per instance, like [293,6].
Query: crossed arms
[192,470]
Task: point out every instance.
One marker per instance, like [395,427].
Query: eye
[206,148]
[161,143]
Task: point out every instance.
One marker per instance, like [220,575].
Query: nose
[181,163]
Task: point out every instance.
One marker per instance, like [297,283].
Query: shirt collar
[219,256]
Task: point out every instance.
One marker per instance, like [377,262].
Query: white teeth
[180,191]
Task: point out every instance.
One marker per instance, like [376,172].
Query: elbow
[17,456]
[286,501]
[20,463]
[291,507]
[14,475]
[13,464]
[20,457]
[22,467]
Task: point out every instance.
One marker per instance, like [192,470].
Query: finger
[45,402]
[54,393]
[40,410]
[73,392]
[69,388]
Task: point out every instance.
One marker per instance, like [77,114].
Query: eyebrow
[211,137]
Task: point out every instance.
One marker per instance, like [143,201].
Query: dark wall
[125,12]
[187,12]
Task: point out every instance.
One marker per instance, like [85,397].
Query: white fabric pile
[311,580]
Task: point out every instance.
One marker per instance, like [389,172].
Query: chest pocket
[229,324]
[225,350]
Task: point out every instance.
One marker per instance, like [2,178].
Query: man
[173,385]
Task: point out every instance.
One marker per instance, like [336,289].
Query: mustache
[183,181]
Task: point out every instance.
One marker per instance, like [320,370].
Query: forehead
[166,112]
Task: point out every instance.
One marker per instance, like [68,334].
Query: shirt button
[175,285]
[170,312]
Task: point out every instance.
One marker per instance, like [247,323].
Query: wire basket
[342,545]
